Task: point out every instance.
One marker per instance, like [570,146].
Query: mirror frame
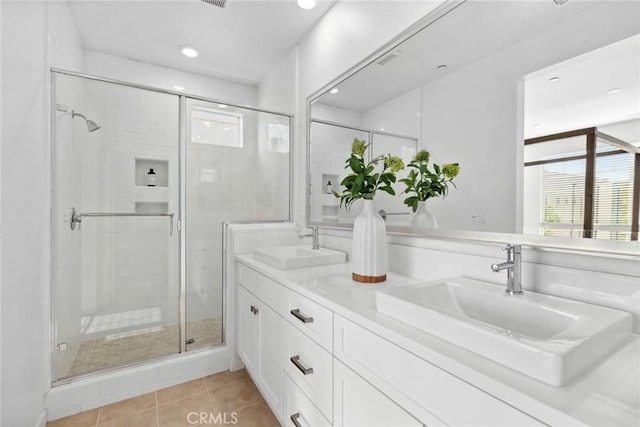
[621,249]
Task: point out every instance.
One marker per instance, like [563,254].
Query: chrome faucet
[513,265]
[314,236]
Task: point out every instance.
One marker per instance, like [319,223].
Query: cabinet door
[248,330]
[270,375]
[358,403]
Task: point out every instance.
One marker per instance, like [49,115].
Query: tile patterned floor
[121,349]
[201,402]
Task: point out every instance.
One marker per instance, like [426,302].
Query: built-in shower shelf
[152,207]
[151,194]
[160,167]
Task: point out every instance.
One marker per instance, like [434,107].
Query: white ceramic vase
[423,220]
[369,253]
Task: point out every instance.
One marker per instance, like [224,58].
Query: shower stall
[143,182]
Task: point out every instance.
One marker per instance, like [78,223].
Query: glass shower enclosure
[143,182]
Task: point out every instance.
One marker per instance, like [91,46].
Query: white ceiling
[473,31]
[240,42]
[581,93]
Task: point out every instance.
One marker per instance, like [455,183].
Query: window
[215,127]
[581,184]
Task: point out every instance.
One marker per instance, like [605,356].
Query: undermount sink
[548,338]
[290,257]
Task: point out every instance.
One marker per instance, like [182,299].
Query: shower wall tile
[133,259]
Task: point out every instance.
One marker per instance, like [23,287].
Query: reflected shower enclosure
[143,182]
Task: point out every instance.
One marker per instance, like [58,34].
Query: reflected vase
[422,220]
[369,252]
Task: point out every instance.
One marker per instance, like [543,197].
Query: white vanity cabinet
[248,329]
[260,342]
[358,403]
[317,367]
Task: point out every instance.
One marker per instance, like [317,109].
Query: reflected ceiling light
[189,52]
[222,105]
[334,91]
[307,4]
[178,88]
[381,129]
[614,90]
[442,67]
[207,124]
[554,79]
[536,125]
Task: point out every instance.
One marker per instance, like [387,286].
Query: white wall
[47,33]
[277,91]
[0,217]
[127,70]
[400,115]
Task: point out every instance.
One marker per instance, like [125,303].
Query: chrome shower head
[91,125]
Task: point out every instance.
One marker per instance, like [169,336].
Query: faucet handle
[509,249]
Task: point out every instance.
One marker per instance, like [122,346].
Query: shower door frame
[181,225]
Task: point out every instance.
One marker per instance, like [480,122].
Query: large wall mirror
[539,103]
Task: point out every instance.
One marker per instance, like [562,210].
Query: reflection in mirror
[586,186]
[483,76]
[327,170]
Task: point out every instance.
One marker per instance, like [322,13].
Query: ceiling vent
[560,2]
[219,3]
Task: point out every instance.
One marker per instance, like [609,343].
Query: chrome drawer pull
[294,419]
[301,316]
[296,361]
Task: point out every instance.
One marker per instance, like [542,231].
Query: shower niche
[160,167]
[151,199]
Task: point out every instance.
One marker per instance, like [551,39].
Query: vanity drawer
[267,290]
[311,368]
[430,393]
[309,317]
[298,407]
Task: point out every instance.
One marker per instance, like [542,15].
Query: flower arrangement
[364,181]
[425,183]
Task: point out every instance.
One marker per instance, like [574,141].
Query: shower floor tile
[227,396]
[123,348]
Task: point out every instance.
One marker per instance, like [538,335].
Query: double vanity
[325,350]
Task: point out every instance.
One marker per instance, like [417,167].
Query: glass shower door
[116,249]
[237,169]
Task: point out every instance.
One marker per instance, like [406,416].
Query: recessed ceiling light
[536,125]
[554,79]
[222,105]
[189,52]
[307,4]
[381,129]
[334,91]
[207,124]
[178,88]
[614,90]
[442,67]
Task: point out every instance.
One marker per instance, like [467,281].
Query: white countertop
[608,395]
